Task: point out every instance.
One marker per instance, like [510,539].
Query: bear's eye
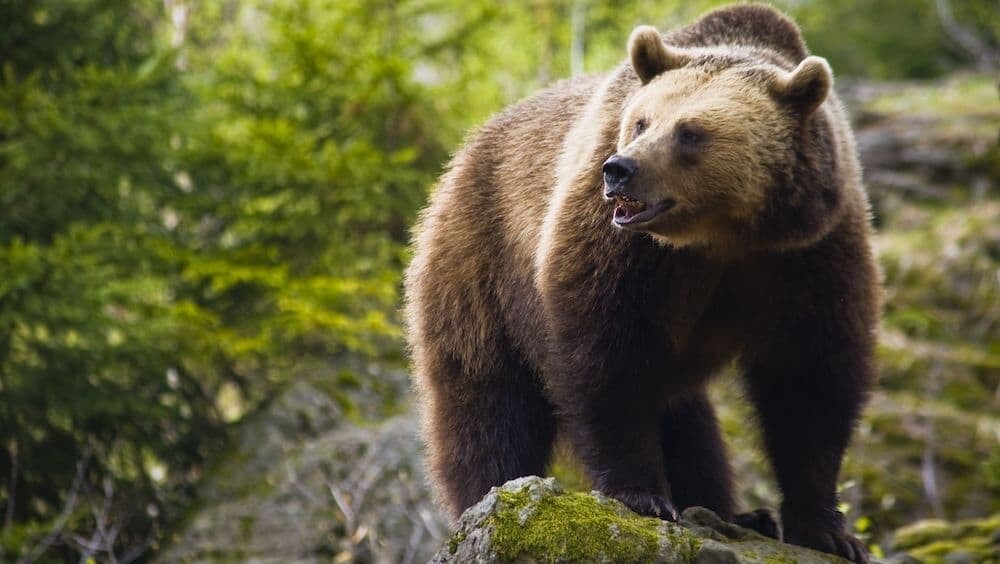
[689,135]
[640,127]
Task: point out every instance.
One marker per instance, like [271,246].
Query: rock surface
[533,520]
[303,483]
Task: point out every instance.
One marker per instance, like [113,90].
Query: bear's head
[723,147]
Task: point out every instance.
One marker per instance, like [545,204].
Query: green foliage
[184,226]
[868,45]
[90,326]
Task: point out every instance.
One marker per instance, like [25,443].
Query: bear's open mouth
[630,212]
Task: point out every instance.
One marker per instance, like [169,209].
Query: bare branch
[430,523]
[416,537]
[293,478]
[343,502]
[12,449]
[985,56]
[67,511]
[578,22]
[928,472]
[138,551]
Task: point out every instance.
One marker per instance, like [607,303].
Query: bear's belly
[710,345]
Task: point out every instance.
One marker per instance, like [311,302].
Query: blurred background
[204,215]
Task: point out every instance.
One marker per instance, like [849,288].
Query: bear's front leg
[619,446]
[605,354]
[809,385]
[606,394]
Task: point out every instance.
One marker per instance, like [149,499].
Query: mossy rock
[302,483]
[935,541]
[533,520]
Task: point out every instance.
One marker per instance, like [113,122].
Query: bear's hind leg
[485,429]
[694,456]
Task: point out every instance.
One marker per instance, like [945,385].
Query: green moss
[568,472]
[533,520]
[456,540]
[940,551]
[683,542]
[577,527]
[978,527]
[246,528]
[933,540]
[962,95]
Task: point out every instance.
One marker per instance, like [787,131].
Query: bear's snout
[618,170]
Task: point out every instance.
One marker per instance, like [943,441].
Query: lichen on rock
[533,520]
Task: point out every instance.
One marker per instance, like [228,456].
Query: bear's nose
[617,172]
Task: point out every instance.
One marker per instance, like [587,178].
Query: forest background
[205,204]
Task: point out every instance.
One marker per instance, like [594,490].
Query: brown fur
[529,311]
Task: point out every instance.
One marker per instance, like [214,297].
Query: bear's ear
[807,86]
[650,55]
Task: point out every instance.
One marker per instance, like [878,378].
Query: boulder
[303,483]
[533,520]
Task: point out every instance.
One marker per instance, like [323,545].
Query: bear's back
[752,25]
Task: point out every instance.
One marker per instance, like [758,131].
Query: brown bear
[597,252]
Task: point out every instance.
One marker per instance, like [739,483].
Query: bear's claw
[648,504]
[837,542]
[760,520]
